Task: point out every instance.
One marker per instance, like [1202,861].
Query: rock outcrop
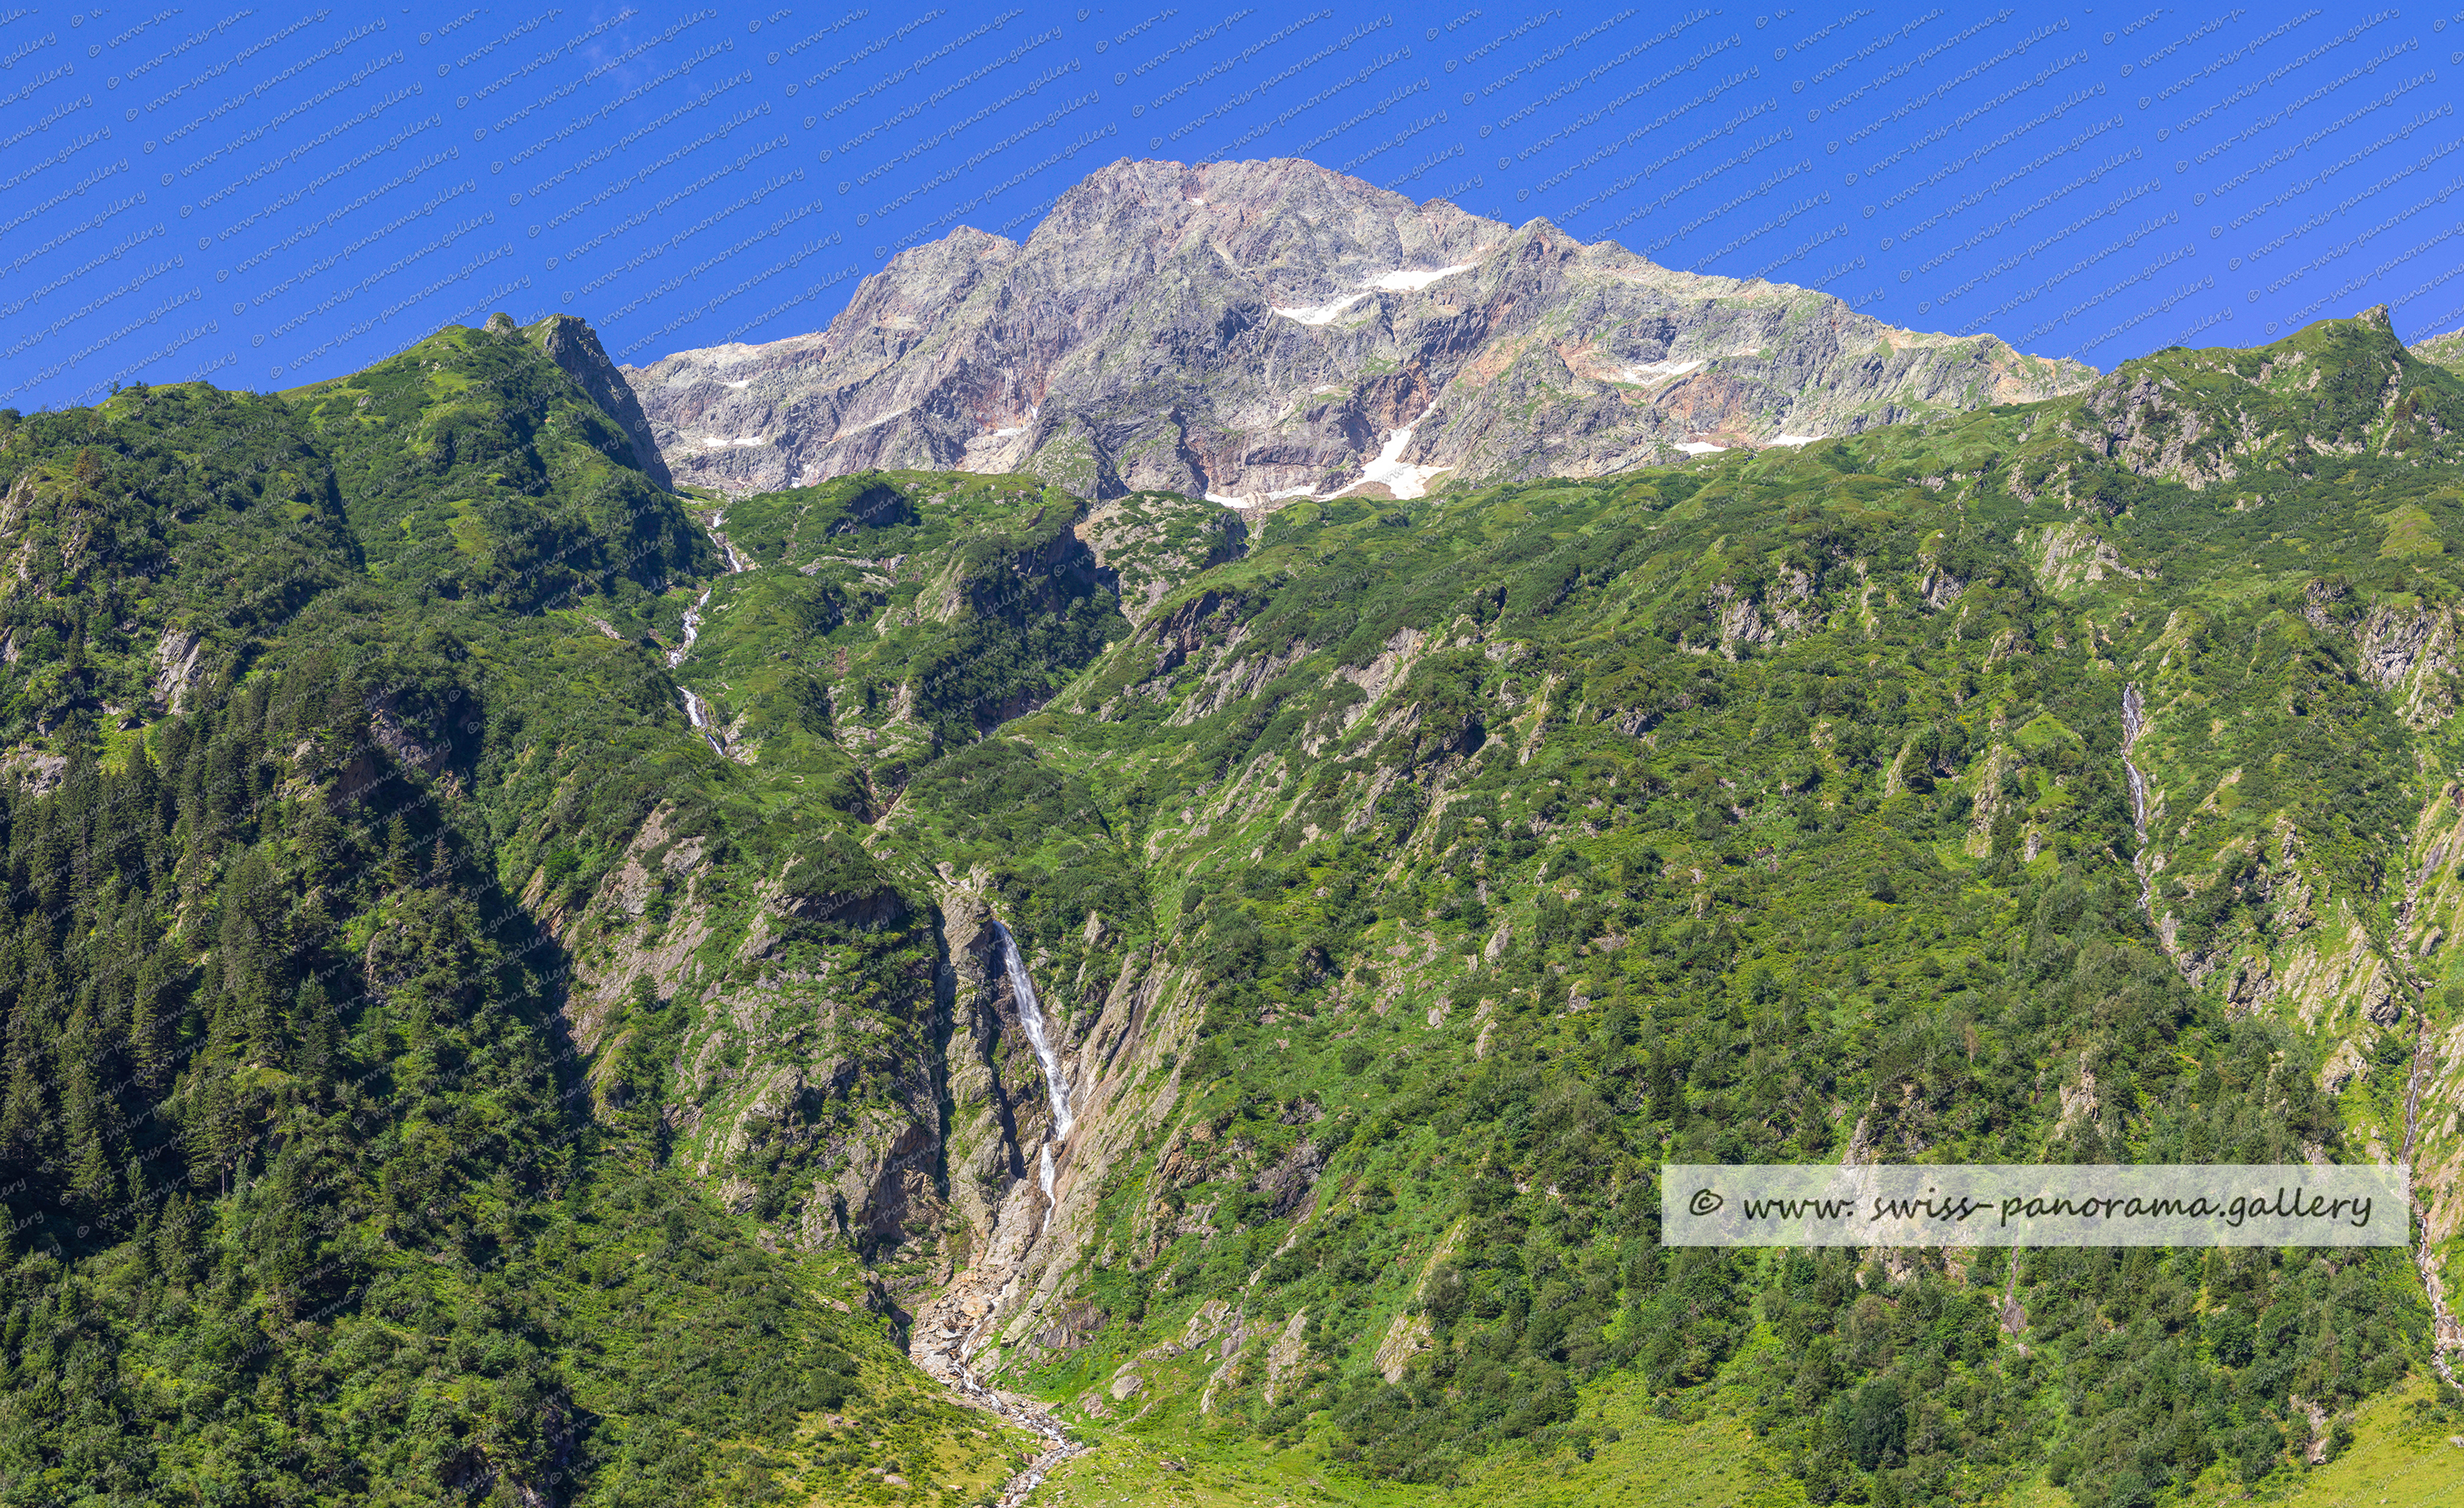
[1263,331]
[574,346]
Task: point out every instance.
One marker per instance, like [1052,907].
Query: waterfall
[2134,718]
[734,562]
[968,1311]
[696,710]
[2134,721]
[1030,1014]
[692,628]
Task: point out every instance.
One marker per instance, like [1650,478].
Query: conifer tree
[315,1028]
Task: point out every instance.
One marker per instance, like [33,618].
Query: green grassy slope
[1515,842]
[311,1196]
[434,1070]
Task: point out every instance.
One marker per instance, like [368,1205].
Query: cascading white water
[693,629]
[696,710]
[943,1347]
[734,562]
[2134,721]
[1030,1014]
[2134,718]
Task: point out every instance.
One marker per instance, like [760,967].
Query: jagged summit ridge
[1258,330]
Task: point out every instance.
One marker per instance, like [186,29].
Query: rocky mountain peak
[1262,330]
[574,346]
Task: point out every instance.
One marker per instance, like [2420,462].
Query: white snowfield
[1318,314]
[1699,446]
[1411,277]
[1229,502]
[715,442]
[869,424]
[1401,477]
[1655,371]
[1403,279]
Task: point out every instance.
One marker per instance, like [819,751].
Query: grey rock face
[2447,350]
[1268,329]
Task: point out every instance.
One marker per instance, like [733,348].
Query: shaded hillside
[312,1197]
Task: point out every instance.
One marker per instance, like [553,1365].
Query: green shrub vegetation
[379,1121]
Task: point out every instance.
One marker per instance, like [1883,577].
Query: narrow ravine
[1016,1408]
[1030,1014]
[697,710]
[942,1347]
[2446,1334]
[2134,721]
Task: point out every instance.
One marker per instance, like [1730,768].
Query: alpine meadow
[531,980]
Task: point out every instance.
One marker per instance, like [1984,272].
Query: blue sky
[266,195]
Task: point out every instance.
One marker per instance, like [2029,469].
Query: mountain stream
[943,1352]
[2134,720]
[697,710]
